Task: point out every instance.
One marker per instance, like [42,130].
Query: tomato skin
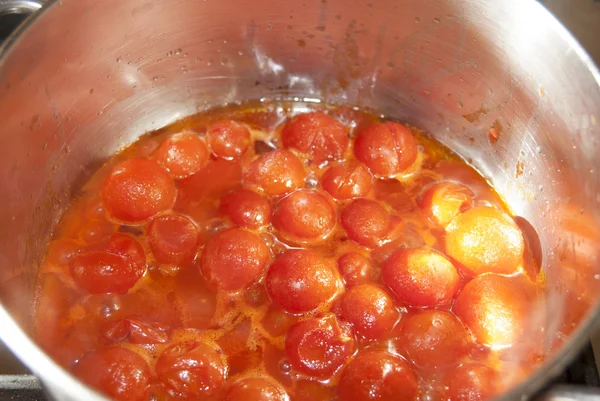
[192,368]
[386,148]
[182,155]
[136,330]
[123,244]
[485,240]
[470,382]
[421,277]
[137,189]
[320,346]
[276,173]
[246,208]
[355,269]
[101,271]
[255,389]
[301,281]
[366,222]
[445,200]
[377,375]
[495,308]
[347,182]
[322,137]
[228,139]
[305,215]
[435,339]
[370,310]
[234,259]
[115,371]
[173,239]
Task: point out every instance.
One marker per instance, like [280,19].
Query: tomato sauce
[259,252]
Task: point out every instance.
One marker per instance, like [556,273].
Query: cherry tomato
[228,139]
[495,308]
[355,269]
[444,200]
[301,281]
[370,310]
[61,251]
[421,277]
[173,239]
[320,346]
[366,222]
[322,137]
[470,382]
[305,215]
[377,375]
[234,259]
[347,182]
[276,173]
[435,339]
[387,148]
[115,371]
[137,330]
[124,245]
[485,240]
[100,271]
[137,189]
[255,389]
[246,208]
[182,155]
[192,368]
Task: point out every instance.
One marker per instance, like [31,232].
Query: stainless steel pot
[84,78]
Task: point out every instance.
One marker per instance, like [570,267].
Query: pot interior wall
[89,77]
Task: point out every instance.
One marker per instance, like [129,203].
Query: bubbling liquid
[260,250]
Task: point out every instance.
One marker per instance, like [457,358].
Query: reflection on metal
[88,77]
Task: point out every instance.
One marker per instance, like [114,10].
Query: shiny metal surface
[88,77]
[567,393]
[20,6]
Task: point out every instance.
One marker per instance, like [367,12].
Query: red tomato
[347,182]
[320,346]
[115,371]
[228,139]
[444,200]
[305,215]
[192,368]
[470,382]
[355,269]
[255,389]
[421,277]
[495,308]
[387,148]
[301,281]
[182,155]
[124,245]
[276,173]
[138,331]
[370,310]
[322,137]
[485,240]
[246,208]
[173,239]
[137,189]
[366,222]
[61,251]
[435,339]
[100,271]
[377,375]
[234,259]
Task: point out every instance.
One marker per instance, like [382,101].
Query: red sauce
[251,252]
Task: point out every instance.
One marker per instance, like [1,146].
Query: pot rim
[58,379]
